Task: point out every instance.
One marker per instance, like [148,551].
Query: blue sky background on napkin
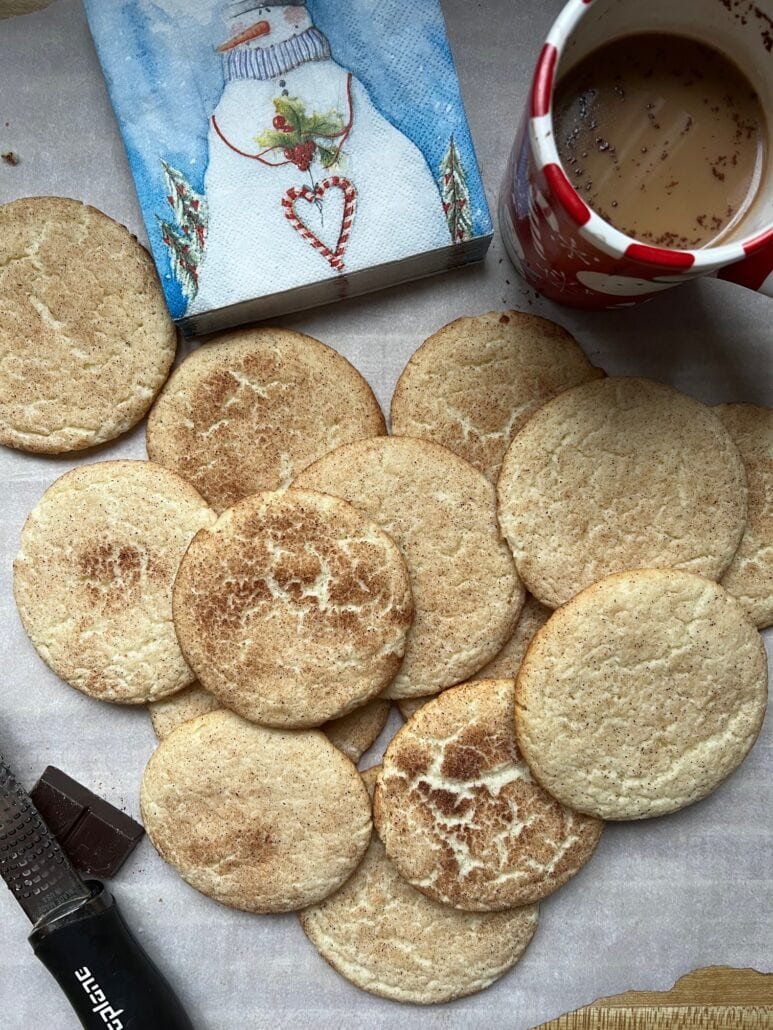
[165,80]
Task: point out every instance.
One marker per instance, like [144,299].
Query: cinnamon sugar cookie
[93,579]
[441,511]
[620,474]
[258,819]
[86,339]
[358,731]
[460,814]
[190,703]
[474,383]
[641,695]
[251,409]
[294,608]
[388,938]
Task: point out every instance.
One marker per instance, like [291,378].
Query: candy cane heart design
[334,257]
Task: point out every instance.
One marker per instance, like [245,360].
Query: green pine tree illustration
[181,257]
[190,209]
[187,237]
[455,192]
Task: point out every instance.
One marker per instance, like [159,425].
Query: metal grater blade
[32,864]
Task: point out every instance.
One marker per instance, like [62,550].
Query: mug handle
[755,272]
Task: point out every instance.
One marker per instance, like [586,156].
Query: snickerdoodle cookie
[641,694]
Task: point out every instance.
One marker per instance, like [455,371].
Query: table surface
[659,899]
[717,998]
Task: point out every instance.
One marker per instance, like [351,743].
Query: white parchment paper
[660,898]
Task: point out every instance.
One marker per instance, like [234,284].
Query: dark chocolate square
[99,847]
[95,836]
[60,810]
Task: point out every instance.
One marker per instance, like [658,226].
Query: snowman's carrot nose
[261,28]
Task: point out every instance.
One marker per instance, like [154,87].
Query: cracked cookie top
[250,410]
[474,383]
[85,336]
[294,608]
[93,579]
[641,694]
[260,819]
[460,814]
[390,939]
[620,474]
[442,513]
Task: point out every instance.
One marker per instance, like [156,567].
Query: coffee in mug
[642,160]
[664,137]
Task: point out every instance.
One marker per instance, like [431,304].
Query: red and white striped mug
[563,248]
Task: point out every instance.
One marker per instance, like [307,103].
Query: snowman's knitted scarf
[272,61]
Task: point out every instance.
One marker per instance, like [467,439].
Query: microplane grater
[32,863]
[79,933]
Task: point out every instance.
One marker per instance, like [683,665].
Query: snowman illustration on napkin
[305,175]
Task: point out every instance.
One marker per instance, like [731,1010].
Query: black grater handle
[108,978]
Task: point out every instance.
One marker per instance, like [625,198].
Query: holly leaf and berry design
[303,137]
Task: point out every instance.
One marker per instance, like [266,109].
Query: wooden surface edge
[715,997]
[664,1017]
